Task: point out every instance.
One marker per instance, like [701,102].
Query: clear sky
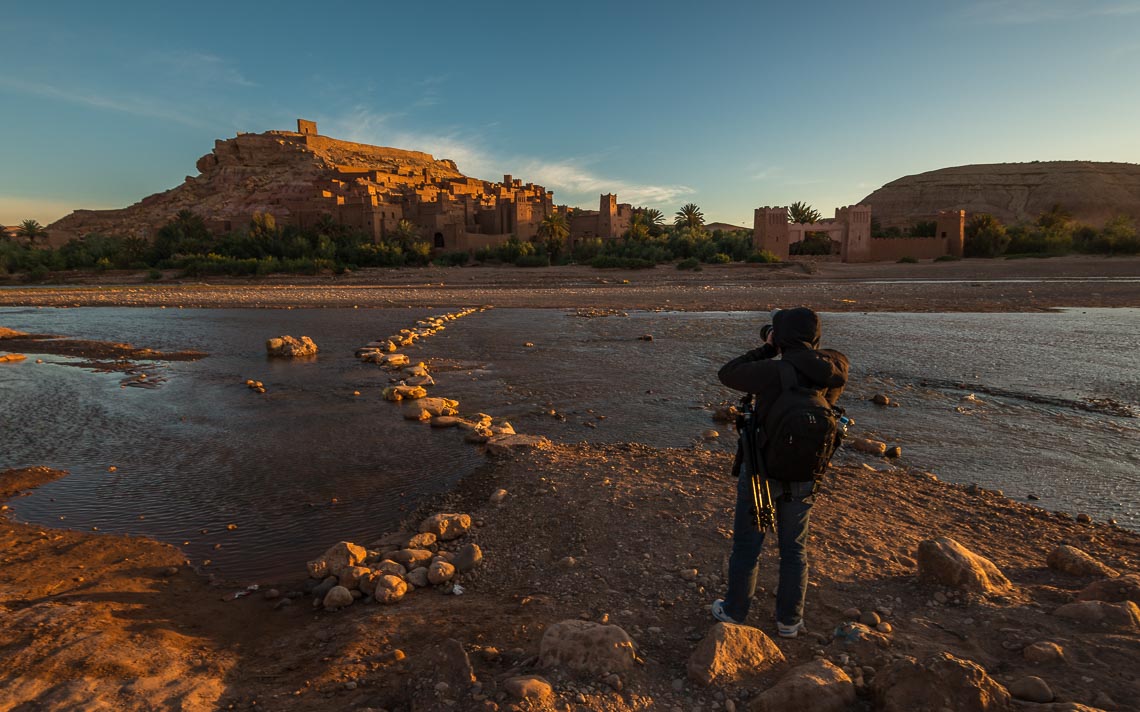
[731,105]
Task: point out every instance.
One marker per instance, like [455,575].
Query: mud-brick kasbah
[304,179]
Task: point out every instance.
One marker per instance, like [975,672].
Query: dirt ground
[973,285]
[90,621]
[102,622]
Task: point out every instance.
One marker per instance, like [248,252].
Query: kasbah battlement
[305,179]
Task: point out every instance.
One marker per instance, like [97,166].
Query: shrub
[947,258]
[719,259]
[611,261]
[690,263]
[814,243]
[908,260]
[532,261]
[451,259]
[985,237]
[763,256]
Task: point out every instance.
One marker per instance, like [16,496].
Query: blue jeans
[792,510]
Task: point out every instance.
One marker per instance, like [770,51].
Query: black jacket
[796,332]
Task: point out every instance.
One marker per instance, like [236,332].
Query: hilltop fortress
[303,178]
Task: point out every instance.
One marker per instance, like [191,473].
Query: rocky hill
[1013,192]
[267,172]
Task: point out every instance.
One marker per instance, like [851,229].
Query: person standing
[794,338]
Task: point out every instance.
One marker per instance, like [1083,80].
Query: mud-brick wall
[891,249]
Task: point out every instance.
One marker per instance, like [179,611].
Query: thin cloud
[1031,12]
[201,68]
[568,179]
[134,105]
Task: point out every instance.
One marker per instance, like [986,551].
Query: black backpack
[801,431]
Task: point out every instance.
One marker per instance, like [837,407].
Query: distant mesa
[1012,192]
[304,179]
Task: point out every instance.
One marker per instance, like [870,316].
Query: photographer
[794,337]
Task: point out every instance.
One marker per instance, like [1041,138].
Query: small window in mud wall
[943,233]
[439,239]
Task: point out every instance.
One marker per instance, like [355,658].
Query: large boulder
[818,686]
[1075,562]
[731,653]
[290,347]
[947,562]
[389,589]
[942,682]
[427,408]
[467,558]
[337,597]
[447,526]
[586,647]
[1116,590]
[1123,617]
[412,558]
[337,557]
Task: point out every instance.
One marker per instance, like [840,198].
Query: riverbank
[641,541]
[973,285]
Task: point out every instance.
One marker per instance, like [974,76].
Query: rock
[412,558]
[947,562]
[862,642]
[1117,590]
[467,558]
[290,347]
[324,587]
[503,428]
[529,687]
[400,393]
[444,421]
[396,360]
[880,399]
[941,682]
[271,594]
[418,577]
[1122,617]
[336,558]
[874,447]
[424,381]
[818,686]
[421,540]
[725,414]
[447,526]
[1031,689]
[884,627]
[1075,562]
[894,452]
[498,496]
[337,597]
[12,358]
[645,337]
[389,589]
[433,407]
[478,434]
[390,568]
[499,444]
[1043,652]
[688,574]
[869,618]
[350,576]
[440,572]
[709,434]
[852,614]
[732,653]
[585,647]
[1083,518]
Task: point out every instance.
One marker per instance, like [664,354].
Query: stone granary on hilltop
[851,228]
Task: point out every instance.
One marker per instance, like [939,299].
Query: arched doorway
[439,240]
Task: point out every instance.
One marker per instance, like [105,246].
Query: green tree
[1056,218]
[406,233]
[802,213]
[985,236]
[554,230]
[690,216]
[32,230]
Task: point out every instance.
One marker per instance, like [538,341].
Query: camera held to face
[765,331]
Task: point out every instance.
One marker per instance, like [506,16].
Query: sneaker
[790,631]
[719,613]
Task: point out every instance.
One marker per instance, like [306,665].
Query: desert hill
[280,172]
[1092,192]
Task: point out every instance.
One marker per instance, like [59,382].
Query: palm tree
[31,229]
[406,232]
[554,229]
[652,216]
[802,213]
[689,216]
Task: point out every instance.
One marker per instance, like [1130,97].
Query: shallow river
[1056,397]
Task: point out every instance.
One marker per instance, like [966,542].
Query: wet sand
[969,286]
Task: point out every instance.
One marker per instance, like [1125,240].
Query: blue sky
[731,105]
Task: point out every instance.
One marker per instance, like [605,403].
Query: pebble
[894,452]
[852,614]
[1084,518]
[884,627]
[710,434]
[869,618]
[881,399]
[940,597]
[498,496]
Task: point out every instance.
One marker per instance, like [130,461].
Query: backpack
[800,432]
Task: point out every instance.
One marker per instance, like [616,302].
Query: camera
[765,331]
